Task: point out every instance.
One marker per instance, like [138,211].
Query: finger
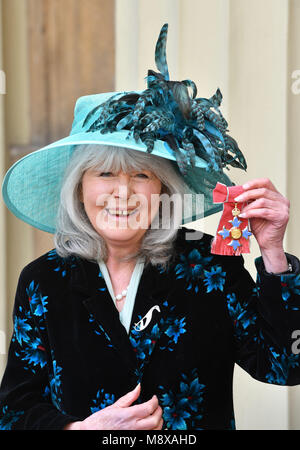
[144,409]
[258,193]
[129,398]
[262,203]
[151,422]
[273,209]
[160,425]
[263,213]
[258,183]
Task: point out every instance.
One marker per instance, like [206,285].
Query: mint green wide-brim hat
[177,127]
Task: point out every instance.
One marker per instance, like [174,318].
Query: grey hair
[75,234]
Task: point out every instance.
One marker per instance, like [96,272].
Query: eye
[104,173]
[142,175]
[139,175]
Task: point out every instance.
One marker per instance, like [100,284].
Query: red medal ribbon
[232,237]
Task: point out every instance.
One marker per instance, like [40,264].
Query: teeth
[119,213]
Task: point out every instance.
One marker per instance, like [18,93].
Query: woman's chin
[122,230]
[124,235]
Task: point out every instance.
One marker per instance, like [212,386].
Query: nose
[123,188]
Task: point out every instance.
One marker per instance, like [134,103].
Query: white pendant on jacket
[144,322]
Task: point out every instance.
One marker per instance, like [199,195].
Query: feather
[209,149]
[181,96]
[148,139]
[102,106]
[172,143]
[214,131]
[191,84]
[160,52]
[158,118]
[216,99]
[90,114]
[130,98]
[190,150]
[238,160]
[124,122]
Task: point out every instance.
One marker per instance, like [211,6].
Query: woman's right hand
[122,416]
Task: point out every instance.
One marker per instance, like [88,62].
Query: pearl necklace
[123,294]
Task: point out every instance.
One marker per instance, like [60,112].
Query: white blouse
[126,312]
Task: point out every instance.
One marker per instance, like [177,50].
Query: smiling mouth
[121,214]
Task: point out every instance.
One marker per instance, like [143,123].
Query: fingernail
[242,215]
[245,186]
[238,198]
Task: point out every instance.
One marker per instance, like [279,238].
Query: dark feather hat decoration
[170,111]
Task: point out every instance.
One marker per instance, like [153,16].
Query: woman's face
[107,195]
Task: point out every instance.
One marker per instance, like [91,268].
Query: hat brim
[31,187]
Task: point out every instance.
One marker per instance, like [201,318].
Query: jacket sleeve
[266,322]
[25,393]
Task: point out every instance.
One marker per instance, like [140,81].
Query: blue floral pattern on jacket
[184,405]
[70,356]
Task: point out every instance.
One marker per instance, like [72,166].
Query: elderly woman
[131,322]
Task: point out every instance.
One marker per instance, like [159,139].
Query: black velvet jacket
[70,355]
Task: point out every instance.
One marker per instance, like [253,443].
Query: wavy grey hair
[75,234]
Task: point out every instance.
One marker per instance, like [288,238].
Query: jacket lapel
[96,298]
[148,314]
[137,347]
[102,309]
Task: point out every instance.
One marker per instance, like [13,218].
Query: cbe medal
[230,239]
